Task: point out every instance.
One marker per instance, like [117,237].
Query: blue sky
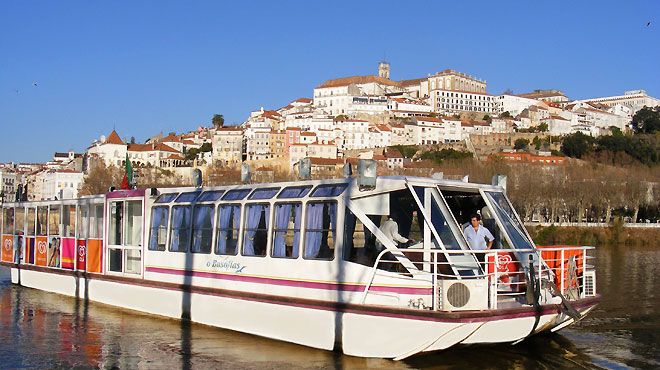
[150,66]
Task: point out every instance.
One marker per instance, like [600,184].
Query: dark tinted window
[166,198]
[236,194]
[331,190]
[295,192]
[210,196]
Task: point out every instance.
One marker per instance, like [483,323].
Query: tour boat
[307,262]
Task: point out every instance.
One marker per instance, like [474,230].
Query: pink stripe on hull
[291,283]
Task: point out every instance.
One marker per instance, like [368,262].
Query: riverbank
[614,235]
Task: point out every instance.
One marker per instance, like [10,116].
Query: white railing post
[584,269]
[496,279]
[561,282]
[435,296]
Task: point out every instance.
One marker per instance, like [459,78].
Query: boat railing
[566,271]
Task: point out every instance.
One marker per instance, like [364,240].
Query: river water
[42,330]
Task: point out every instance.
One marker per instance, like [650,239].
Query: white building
[112,150]
[356,133]
[9,181]
[58,184]
[512,103]
[558,125]
[633,99]
[554,96]
[228,145]
[357,94]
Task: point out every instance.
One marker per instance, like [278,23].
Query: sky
[71,71]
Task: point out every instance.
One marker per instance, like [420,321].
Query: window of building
[202,228]
[286,230]
[257,218]
[229,216]
[320,230]
[180,229]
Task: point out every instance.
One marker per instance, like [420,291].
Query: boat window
[54,221]
[257,217]
[83,221]
[42,221]
[210,196]
[133,234]
[31,219]
[8,221]
[236,194]
[360,243]
[133,260]
[115,259]
[464,203]
[286,240]
[69,221]
[330,190]
[509,220]
[229,218]
[187,197]
[439,220]
[295,192]
[264,193]
[202,228]
[19,216]
[320,230]
[166,198]
[180,230]
[96,221]
[115,231]
[158,231]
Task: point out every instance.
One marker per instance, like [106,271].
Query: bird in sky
[648,24]
[34,84]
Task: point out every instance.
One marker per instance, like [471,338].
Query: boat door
[441,230]
[124,236]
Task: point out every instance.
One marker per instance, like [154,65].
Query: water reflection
[42,330]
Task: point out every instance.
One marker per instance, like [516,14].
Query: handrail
[550,270]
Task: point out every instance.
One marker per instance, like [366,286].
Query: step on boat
[308,262]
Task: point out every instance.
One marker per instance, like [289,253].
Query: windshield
[438,217]
[510,222]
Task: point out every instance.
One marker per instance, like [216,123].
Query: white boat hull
[358,330]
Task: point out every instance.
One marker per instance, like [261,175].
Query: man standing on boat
[476,236]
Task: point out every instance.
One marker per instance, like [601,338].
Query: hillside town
[345,119]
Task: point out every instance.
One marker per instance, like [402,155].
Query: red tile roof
[113,138]
[345,81]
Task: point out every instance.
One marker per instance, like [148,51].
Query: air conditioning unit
[589,283]
[463,295]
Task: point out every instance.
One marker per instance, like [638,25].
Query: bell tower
[384,70]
